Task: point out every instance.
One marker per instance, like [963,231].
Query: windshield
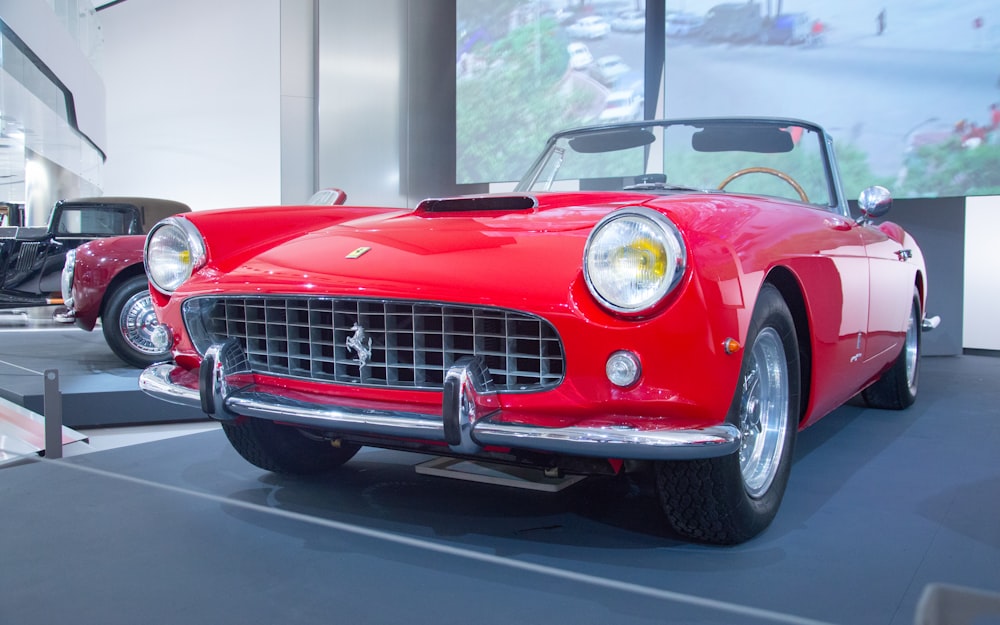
[778,158]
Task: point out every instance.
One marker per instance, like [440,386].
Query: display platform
[880,505]
[97,388]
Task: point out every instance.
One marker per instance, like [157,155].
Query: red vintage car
[104,279]
[680,297]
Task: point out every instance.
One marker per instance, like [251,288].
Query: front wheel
[733,498]
[128,321]
[285,449]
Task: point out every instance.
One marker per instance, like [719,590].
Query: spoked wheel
[731,499]
[897,388]
[763,412]
[128,322]
[284,448]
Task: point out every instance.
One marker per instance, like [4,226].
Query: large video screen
[910,91]
[527,68]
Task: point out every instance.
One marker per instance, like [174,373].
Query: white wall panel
[298,100]
[193,96]
[982,274]
[361,53]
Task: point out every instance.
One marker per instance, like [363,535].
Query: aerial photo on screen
[910,90]
[526,69]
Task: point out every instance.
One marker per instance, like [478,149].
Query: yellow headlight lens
[634,257]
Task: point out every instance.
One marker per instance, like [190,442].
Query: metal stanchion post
[52,408]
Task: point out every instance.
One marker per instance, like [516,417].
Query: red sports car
[680,297]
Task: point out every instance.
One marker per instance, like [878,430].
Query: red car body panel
[99,264]
[487,258]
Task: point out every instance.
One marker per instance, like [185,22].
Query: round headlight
[174,250]
[633,258]
[66,279]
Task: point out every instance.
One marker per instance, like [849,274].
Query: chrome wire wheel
[763,412]
[137,322]
[912,347]
[732,498]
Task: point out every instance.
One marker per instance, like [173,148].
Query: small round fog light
[161,337]
[623,369]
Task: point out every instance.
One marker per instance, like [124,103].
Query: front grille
[403,344]
[26,256]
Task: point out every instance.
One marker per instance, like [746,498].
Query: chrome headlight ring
[634,257]
[174,250]
[66,279]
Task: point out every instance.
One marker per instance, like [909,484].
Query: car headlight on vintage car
[66,279]
[634,257]
[174,251]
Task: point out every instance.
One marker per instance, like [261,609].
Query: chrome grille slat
[26,256]
[413,344]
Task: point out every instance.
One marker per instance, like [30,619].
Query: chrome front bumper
[468,422]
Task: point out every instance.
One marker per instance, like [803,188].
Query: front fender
[99,265]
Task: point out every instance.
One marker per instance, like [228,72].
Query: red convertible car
[679,297]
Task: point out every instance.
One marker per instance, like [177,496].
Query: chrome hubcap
[763,412]
[912,348]
[137,322]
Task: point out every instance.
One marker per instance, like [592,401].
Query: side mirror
[874,202]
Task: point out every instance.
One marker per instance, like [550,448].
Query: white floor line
[10,364]
[593,580]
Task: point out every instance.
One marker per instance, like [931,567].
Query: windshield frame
[559,140]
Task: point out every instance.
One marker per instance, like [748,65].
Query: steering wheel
[767,170]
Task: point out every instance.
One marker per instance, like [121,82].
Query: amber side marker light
[731,346]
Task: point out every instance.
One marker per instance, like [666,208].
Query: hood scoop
[478,203]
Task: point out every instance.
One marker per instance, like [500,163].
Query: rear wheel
[733,498]
[897,388]
[285,449]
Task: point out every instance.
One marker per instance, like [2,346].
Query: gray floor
[98,389]
[184,531]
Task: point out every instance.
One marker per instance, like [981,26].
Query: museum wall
[386,90]
[982,297]
[298,100]
[193,92]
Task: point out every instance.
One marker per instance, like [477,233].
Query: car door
[838,294]
[892,284]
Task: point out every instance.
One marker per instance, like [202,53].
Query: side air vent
[475,203]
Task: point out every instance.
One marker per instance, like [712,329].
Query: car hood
[502,250]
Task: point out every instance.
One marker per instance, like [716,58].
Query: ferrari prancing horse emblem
[358,253]
[356,343]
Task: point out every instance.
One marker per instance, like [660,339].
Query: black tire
[730,499]
[285,449]
[128,321]
[896,389]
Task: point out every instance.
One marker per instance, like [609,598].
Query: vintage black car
[31,259]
